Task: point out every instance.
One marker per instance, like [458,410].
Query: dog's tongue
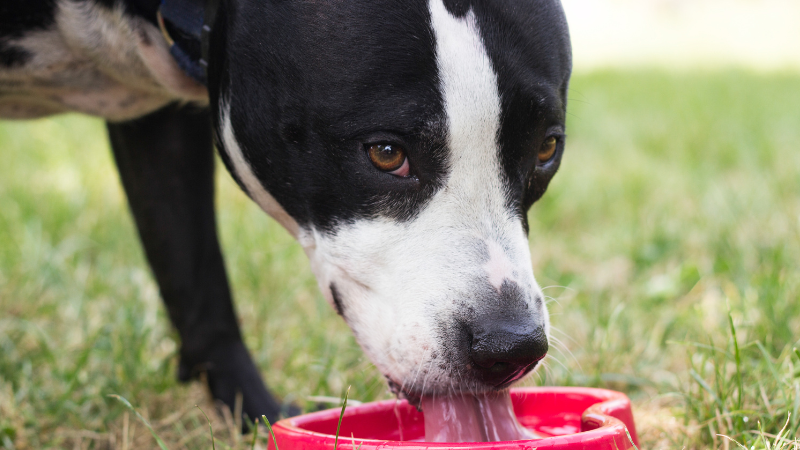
[472,418]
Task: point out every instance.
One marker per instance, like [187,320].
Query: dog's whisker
[564,366]
[570,338]
[548,300]
[416,374]
[564,351]
[538,373]
[460,380]
[425,381]
[556,286]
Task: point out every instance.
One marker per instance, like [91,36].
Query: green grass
[678,201]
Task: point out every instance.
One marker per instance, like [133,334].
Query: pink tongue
[469,418]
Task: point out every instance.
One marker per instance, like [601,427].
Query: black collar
[186,25]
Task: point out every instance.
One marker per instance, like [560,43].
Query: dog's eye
[389,158]
[548,149]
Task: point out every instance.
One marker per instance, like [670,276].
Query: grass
[669,245]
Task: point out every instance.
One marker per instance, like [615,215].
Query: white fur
[499,267]
[253,186]
[398,280]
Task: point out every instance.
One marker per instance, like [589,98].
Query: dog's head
[403,143]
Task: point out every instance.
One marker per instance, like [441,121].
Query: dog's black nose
[503,354]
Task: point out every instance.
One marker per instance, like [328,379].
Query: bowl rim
[596,416]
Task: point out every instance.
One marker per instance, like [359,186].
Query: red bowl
[571,418]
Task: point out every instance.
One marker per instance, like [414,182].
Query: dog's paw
[229,372]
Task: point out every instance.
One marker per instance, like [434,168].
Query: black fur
[312,83]
[17,17]
[20,16]
[337,301]
[528,43]
[345,80]
[166,165]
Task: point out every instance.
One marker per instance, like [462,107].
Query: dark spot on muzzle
[337,301]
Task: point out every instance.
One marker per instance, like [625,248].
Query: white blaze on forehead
[469,88]
[472,105]
[254,187]
[472,108]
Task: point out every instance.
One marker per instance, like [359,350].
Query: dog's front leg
[166,163]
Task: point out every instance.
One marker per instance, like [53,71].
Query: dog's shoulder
[97,57]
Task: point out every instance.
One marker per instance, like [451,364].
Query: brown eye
[387,157]
[548,149]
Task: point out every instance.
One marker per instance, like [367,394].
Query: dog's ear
[153,49]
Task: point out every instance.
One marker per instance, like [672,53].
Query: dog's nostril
[501,356]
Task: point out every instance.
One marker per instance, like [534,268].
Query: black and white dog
[401,142]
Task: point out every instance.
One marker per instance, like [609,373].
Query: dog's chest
[92,60]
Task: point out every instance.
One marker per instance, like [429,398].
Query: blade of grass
[269,429]
[768,358]
[733,440]
[211,430]
[700,346]
[781,434]
[707,388]
[353,438]
[738,358]
[128,405]
[255,434]
[628,433]
[341,416]
[796,407]
[780,438]
[71,377]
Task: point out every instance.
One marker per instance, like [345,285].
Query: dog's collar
[186,25]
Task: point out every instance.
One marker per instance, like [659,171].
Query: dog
[400,142]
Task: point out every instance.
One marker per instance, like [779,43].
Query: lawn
[669,246]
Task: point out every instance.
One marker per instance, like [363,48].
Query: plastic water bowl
[570,419]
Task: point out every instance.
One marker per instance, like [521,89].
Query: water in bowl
[485,417]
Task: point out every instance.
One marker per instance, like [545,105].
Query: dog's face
[402,143]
